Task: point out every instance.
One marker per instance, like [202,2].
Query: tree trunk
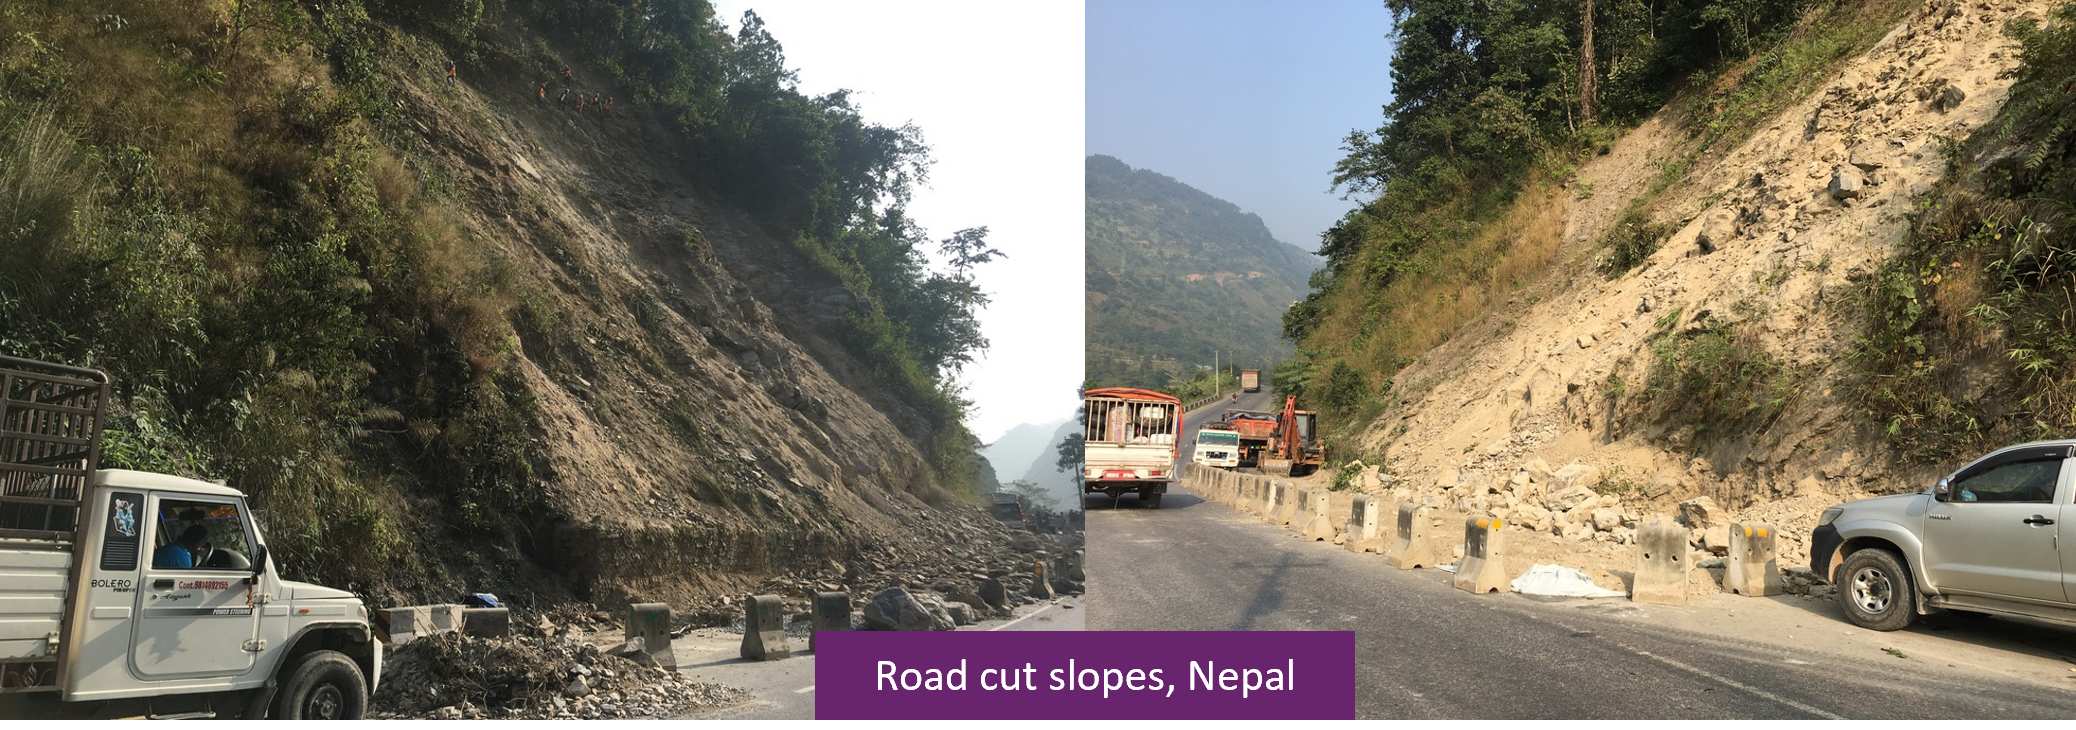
[1586,70]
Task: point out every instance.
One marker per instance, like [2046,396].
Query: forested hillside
[1174,274]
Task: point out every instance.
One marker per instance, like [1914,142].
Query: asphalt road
[1425,650]
[785,689]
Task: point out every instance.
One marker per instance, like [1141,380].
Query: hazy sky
[1245,100]
[997,91]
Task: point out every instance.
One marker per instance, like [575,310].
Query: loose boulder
[894,609]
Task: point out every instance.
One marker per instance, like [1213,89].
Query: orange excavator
[1295,450]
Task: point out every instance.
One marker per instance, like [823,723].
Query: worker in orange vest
[540,98]
[450,72]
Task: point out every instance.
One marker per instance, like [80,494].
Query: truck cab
[1007,509]
[133,594]
[1217,445]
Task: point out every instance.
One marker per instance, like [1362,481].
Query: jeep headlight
[1830,515]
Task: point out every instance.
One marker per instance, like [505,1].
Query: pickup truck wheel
[1876,591]
[1152,500]
[322,685]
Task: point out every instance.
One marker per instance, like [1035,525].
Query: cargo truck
[1131,441]
[1256,430]
[131,594]
[1250,381]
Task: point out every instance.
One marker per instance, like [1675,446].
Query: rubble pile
[454,676]
[952,576]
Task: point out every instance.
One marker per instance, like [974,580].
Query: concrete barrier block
[832,612]
[1483,567]
[1063,569]
[1412,546]
[1265,495]
[1662,562]
[1318,526]
[1365,529]
[1041,587]
[764,629]
[1753,568]
[650,622]
[487,622]
[445,618]
[1284,504]
[399,625]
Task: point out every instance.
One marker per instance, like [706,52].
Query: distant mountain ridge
[1174,274]
[1013,452]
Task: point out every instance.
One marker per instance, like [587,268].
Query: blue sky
[1245,100]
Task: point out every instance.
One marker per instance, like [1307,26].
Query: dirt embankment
[702,429]
[1490,421]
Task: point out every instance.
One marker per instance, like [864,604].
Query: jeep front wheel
[322,685]
[1876,590]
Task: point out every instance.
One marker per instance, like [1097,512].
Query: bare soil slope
[1490,420]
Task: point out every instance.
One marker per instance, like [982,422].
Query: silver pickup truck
[1985,539]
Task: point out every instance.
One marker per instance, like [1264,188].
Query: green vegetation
[1632,239]
[1176,277]
[224,206]
[1971,328]
[1494,107]
[1715,374]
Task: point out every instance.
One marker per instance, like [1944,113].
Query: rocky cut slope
[1716,367]
[452,335]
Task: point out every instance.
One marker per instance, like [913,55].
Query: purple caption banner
[1085,675]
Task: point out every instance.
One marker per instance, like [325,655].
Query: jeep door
[196,621]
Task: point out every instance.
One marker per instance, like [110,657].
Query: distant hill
[1011,454]
[1174,273]
[1043,467]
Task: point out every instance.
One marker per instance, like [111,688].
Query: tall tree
[1586,69]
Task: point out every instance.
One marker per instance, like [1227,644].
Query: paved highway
[1425,650]
[785,689]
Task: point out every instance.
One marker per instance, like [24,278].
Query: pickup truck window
[2018,481]
[225,544]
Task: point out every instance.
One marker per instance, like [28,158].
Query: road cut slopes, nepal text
[1205,676]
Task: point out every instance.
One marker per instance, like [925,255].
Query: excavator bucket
[1275,466]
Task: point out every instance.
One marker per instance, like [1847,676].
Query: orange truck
[1283,444]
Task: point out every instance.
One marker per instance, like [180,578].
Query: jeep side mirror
[1943,490]
[259,563]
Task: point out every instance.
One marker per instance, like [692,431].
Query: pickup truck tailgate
[32,600]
